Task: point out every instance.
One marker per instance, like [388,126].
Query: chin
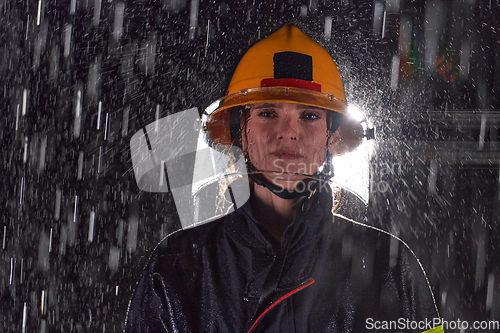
[292,183]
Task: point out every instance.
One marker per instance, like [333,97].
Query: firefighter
[284,261]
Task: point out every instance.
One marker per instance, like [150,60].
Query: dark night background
[79,77]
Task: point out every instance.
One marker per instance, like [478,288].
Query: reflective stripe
[437,329]
[279,300]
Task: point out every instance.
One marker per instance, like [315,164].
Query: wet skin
[284,141]
[287,139]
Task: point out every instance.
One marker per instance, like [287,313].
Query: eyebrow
[308,107]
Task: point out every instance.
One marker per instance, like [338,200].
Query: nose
[288,128]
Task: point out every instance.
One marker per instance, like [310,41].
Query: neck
[272,212]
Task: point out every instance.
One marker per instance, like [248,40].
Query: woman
[288,141]
[283,262]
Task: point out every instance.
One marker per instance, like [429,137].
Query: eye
[267,113]
[310,116]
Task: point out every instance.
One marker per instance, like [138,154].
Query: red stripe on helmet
[292,83]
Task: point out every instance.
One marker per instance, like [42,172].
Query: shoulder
[194,244]
[375,244]
[380,259]
[170,282]
[185,243]
[182,240]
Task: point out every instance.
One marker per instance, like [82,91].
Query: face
[289,140]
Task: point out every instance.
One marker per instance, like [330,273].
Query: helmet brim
[278,95]
[216,118]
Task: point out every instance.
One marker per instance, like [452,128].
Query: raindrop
[17,117]
[443,299]
[126,112]
[118,25]
[71,227]
[395,72]
[377,18]
[80,166]
[97,13]
[99,163]
[433,171]
[99,109]
[106,128]
[74,211]
[480,260]
[25,154]
[67,39]
[114,258]
[27,27]
[93,78]
[193,19]
[12,262]
[157,117]
[120,232]
[43,252]
[208,38]
[489,295]
[482,132]
[25,101]
[50,241]
[43,150]
[78,116]
[303,11]
[91,227]
[63,239]
[54,63]
[43,326]
[328,27]
[25,314]
[72,7]
[133,226]
[58,205]
[383,24]
[150,54]
[43,301]
[38,12]
[22,188]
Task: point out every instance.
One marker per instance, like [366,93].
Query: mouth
[287,154]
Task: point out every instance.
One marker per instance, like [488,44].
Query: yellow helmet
[290,67]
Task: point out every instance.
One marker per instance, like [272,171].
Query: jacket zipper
[280,300]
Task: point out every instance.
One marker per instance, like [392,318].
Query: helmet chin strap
[282,192]
[310,183]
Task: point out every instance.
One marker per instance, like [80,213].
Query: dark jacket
[327,275]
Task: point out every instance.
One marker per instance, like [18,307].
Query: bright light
[354,112]
[352,170]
